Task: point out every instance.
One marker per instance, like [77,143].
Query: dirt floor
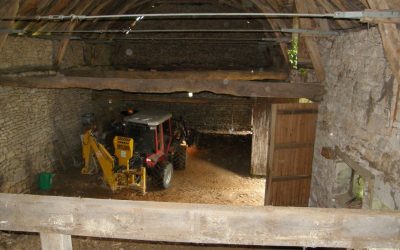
[217,173]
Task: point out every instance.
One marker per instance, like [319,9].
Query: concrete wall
[355,116]
[38,130]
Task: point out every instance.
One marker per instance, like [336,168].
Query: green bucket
[45,181]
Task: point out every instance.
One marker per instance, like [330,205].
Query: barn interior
[286,112]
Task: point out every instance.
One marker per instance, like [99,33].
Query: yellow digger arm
[90,147]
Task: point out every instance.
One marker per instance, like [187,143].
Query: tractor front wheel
[164,174]
[179,157]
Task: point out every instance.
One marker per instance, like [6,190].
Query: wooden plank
[292,162]
[236,88]
[189,75]
[200,223]
[290,192]
[54,241]
[292,146]
[8,8]
[293,177]
[259,146]
[271,147]
[312,46]
[390,34]
[297,112]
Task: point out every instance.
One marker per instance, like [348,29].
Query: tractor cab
[152,134]
[151,131]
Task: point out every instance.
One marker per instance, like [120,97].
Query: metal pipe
[217,39]
[73,17]
[129,31]
[357,15]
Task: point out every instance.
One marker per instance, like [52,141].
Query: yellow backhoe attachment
[115,175]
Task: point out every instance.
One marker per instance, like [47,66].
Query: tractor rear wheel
[164,172]
[179,157]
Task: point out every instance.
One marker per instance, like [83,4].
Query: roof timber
[62,47]
[235,88]
[53,7]
[312,46]
[391,40]
[8,8]
[275,24]
[188,75]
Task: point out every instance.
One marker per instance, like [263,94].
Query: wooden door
[291,152]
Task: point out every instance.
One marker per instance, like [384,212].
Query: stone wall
[355,117]
[21,54]
[196,56]
[39,131]
[221,115]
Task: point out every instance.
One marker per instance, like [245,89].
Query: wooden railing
[57,218]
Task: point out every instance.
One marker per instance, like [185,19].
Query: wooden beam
[8,8]
[236,88]
[390,34]
[123,8]
[275,24]
[62,47]
[54,241]
[327,5]
[259,144]
[314,8]
[312,46]
[173,98]
[189,75]
[200,223]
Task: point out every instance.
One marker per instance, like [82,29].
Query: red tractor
[157,146]
[144,143]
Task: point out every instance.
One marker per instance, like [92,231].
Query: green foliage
[358,187]
[293,52]
[303,72]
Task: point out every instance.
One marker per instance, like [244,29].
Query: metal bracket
[366,14]
[311,32]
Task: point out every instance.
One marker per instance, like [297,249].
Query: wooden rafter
[270,24]
[276,25]
[62,48]
[312,46]
[322,24]
[8,8]
[122,10]
[329,8]
[49,8]
[390,34]
[99,8]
